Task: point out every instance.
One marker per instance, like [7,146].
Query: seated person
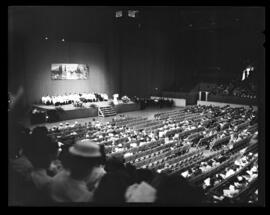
[82,170]
[176,190]
[33,177]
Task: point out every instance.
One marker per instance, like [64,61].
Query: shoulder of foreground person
[112,187]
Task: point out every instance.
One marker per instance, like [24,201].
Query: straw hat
[85,148]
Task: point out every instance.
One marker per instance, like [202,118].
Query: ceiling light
[132,13]
[63,40]
[118,14]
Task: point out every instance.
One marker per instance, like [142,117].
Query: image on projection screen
[60,71]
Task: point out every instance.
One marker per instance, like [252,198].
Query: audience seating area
[198,143]
[243,89]
[213,148]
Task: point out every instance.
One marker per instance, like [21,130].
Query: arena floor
[148,112]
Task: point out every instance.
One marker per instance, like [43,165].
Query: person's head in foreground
[83,170]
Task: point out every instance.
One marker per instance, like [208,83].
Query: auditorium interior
[135,105]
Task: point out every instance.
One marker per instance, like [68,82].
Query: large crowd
[243,89]
[196,155]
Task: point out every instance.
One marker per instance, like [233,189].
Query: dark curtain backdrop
[151,58]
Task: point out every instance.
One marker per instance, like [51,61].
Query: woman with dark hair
[176,190]
[40,149]
[145,175]
[113,185]
[31,169]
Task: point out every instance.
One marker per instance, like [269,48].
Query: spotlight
[46,38]
[63,40]
[132,13]
[118,14]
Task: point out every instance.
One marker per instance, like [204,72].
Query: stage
[67,112]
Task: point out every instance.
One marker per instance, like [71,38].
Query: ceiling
[94,22]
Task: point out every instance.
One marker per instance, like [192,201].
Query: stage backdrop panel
[62,71]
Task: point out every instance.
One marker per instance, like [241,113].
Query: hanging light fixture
[118,13]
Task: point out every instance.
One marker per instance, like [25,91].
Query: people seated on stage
[78,104]
[125,99]
[104,96]
[73,98]
[47,100]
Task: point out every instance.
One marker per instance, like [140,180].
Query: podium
[115,98]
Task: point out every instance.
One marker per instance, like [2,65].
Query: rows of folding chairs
[139,123]
[237,146]
[213,189]
[154,127]
[183,118]
[220,143]
[158,156]
[253,128]
[120,120]
[168,113]
[179,163]
[175,115]
[243,125]
[199,179]
[148,152]
[130,121]
[147,124]
[246,191]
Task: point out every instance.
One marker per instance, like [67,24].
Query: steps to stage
[106,111]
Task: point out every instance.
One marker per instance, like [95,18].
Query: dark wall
[147,61]
[179,60]
[215,55]
[16,62]
[31,56]
[40,54]
[132,57]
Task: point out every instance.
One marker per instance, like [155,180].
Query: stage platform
[67,112]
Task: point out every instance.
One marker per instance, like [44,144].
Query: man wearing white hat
[82,173]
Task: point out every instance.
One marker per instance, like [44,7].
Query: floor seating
[171,153]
